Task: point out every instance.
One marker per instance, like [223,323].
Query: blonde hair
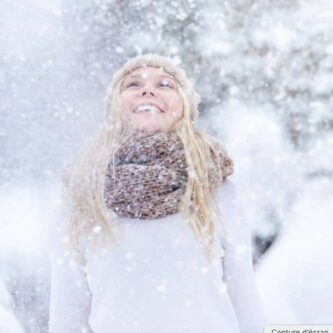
[83,181]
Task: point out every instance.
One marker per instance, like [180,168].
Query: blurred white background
[264,72]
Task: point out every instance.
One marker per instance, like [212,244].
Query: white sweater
[159,280]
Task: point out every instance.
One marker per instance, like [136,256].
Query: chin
[154,129]
[150,127]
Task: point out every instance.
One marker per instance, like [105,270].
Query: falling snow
[264,71]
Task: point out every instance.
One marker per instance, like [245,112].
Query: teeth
[148,108]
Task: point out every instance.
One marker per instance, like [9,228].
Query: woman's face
[150,99]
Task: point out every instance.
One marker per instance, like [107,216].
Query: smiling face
[150,99]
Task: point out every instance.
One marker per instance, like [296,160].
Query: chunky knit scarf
[150,174]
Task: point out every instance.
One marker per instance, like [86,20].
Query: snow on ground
[25,211]
[8,321]
[295,276]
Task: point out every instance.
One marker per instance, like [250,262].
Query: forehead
[149,71]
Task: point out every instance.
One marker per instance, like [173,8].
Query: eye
[166,83]
[132,84]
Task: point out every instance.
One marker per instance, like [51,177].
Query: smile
[148,108]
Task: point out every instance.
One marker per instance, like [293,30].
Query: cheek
[126,104]
[175,114]
[125,99]
[176,106]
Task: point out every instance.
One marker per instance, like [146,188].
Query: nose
[145,92]
[148,89]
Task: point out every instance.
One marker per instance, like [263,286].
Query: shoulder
[227,201]
[231,210]
[57,231]
[226,191]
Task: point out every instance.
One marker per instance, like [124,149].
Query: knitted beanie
[155,60]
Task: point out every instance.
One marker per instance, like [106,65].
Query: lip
[149,103]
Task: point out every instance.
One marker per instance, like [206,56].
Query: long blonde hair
[83,181]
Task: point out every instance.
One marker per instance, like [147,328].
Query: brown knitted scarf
[150,175]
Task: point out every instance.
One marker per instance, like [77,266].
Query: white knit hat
[155,60]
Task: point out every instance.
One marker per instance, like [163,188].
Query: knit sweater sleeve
[238,269]
[70,297]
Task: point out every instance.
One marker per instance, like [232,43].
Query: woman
[152,238]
